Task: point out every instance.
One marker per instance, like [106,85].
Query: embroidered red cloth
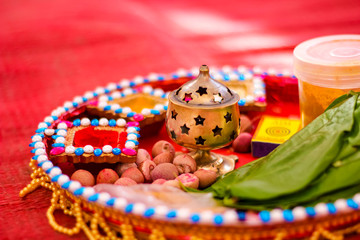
[52,51]
[97,138]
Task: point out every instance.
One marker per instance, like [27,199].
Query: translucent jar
[326,67]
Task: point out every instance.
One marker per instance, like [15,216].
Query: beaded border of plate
[230,217]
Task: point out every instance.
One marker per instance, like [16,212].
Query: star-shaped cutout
[187,97]
[199,120]
[218,98]
[173,135]
[177,92]
[185,129]
[228,117]
[229,91]
[232,135]
[217,131]
[200,141]
[201,91]
[173,114]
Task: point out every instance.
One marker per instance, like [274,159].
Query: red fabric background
[51,51]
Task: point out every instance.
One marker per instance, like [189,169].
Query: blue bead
[112,123]
[171,214]
[146,80]
[38,134]
[175,76]
[242,77]
[49,170]
[56,178]
[165,107]
[54,117]
[242,216]
[152,92]
[288,215]
[79,191]
[32,144]
[66,185]
[155,112]
[226,77]
[40,130]
[132,84]
[106,90]
[75,104]
[110,98]
[66,109]
[242,102]
[195,218]
[129,208]
[116,151]
[264,216]
[111,202]
[42,163]
[137,129]
[94,197]
[136,134]
[77,122]
[310,211]
[351,203]
[33,150]
[218,219]
[331,208]
[95,94]
[84,99]
[35,157]
[149,212]
[130,114]
[164,95]
[118,87]
[97,152]
[119,110]
[58,145]
[95,122]
[107,107]
[134,141]
[161,78]
[189,74]
[122,94]
[55,136]
[79,151]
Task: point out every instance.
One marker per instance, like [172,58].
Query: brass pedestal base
[216,162]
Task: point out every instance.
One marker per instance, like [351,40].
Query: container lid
[331,61]
[204,91]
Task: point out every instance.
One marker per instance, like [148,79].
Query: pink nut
[165,171]
[107,175]
[165,157]
[189,180]
[162,146]
[134,174]
[142,155]
[122,167]
[124,181]
[185,163]
[146,167]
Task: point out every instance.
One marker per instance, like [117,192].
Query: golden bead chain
[97,221]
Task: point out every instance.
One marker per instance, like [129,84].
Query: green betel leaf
[321,161]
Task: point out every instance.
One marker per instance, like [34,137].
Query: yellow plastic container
[327,67]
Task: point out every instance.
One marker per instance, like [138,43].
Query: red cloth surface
[51,51]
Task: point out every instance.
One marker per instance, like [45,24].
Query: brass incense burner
[202,115]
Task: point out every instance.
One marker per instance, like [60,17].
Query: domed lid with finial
[204,91]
